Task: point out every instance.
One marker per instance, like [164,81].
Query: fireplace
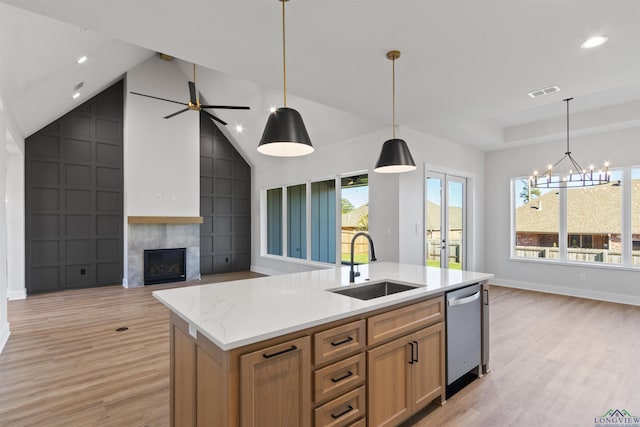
[164,266]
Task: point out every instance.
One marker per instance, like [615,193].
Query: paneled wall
[73,200]
[225,203]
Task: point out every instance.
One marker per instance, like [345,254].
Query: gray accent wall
[73,197]
[225,203]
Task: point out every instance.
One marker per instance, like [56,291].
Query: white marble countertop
[237,313]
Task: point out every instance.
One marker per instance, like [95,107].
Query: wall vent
[545,91]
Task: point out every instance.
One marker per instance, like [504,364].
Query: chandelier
[575,175]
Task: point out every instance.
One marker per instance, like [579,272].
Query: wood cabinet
[276,385]
[404,375]
[373,369]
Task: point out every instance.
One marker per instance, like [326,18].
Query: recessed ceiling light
[594,42]
[76,95]
[82,59]
[239,128]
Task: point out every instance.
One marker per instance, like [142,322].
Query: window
[591,218]
[323,221]
[297,221]
[445,209]
[355,217]
[274,221]
[536,221]
[302,219]
[594,222]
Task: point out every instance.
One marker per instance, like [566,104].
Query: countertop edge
[397,300]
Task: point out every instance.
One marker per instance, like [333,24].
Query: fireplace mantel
[164,219]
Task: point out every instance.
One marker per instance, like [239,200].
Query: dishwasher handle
[465,300]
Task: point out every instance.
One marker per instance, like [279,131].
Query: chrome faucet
[353,274]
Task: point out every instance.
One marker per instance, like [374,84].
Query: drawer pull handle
[344,377]
[344,341]
[417,348]
[286,350]
[345,412]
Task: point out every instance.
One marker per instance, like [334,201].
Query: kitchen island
[286,350]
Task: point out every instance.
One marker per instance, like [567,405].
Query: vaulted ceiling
[464,74]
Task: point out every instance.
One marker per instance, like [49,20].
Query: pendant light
[395,156]
[573,175]
[285,134]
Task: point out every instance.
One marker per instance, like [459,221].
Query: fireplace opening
[165,265]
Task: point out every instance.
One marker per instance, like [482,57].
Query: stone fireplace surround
[156,235]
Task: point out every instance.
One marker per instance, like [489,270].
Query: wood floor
[555,361]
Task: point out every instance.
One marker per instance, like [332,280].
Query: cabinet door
[389,387]
[275,386]
[428,368]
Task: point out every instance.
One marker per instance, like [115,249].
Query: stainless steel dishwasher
[464,332]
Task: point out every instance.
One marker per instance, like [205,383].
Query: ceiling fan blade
[214,117]
[192,92]
[161,99]
[226,107]
[176,113]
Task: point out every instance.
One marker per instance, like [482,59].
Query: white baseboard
[573,292]
[4,336]
[16,294]
[125,283]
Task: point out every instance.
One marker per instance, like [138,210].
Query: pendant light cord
[284,56]
[393,95]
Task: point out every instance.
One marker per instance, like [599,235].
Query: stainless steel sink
[373,290]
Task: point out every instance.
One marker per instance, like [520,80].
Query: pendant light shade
[285,135]
[395,156]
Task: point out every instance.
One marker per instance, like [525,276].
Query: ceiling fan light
[285,135]
[395,157]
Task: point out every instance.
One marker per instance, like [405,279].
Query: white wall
[161,156]
[621,149]
[395,201]
[10,139]
[15,221]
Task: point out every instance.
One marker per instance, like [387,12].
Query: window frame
[626,232]
[337,179]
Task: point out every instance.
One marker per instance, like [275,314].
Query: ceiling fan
[194,102]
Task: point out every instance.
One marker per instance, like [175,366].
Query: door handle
[465,300]
[411,361]
[417,349]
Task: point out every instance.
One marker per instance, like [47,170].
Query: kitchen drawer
[404,320]
[343,410]
[360,423]
[339,377]
[338,342]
